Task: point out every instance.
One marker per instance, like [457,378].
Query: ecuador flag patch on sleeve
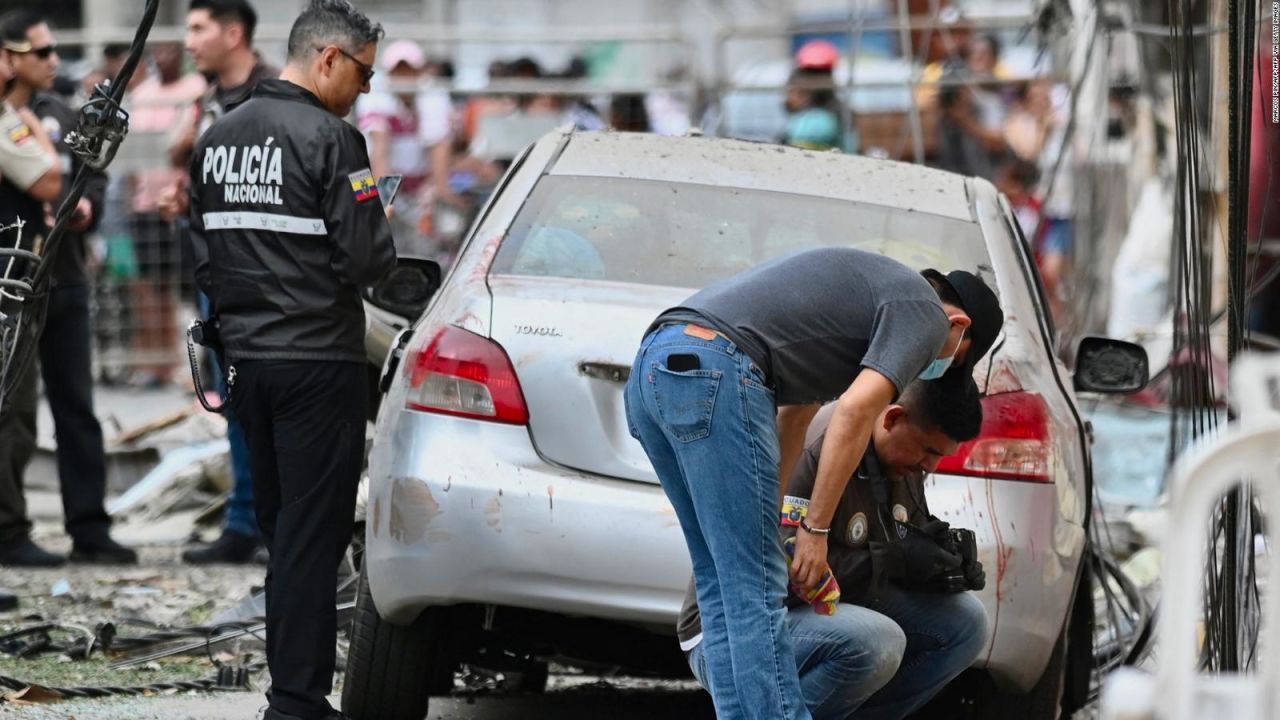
[363,186]
[19,134]
[794,509]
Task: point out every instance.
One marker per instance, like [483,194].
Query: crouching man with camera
[904,626]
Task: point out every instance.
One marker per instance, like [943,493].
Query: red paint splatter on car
[1003,554]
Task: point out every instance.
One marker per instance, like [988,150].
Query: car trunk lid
[572,343]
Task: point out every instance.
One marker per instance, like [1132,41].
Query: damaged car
[512,520]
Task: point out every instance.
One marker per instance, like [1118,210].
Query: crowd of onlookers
[415,124]
[980,120]
[451,146]
[1012,132]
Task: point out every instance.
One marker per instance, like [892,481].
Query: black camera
[950,580]
[961,542]
[934,558]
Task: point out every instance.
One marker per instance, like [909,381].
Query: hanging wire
[1232,598]
[1193,393]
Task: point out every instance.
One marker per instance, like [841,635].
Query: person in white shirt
[409,133]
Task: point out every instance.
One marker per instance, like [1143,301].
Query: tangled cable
[38,639]
[31,641]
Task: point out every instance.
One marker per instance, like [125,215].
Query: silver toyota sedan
[512,520]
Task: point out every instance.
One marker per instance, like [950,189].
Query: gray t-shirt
[814,319]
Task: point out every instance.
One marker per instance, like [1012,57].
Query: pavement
[164,591]
[556,705]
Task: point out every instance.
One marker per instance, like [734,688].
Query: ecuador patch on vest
[363,186]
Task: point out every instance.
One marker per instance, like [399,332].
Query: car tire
[388,666]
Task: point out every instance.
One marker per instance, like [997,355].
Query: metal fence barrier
[144,293]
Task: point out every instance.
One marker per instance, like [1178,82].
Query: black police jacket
[859,519]
[286,227]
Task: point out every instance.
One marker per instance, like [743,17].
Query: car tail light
[456,372]
[1015,443]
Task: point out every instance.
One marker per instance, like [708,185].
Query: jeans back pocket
[686,401]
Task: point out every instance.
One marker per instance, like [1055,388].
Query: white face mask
[940,366]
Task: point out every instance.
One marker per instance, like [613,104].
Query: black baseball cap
[980,304]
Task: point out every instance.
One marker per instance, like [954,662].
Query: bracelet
[804,525]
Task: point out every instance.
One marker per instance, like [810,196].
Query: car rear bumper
[462,511]
[466,511]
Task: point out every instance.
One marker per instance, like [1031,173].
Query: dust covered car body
[511,513]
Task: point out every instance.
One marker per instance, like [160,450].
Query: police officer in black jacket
[66,335]
[287,226]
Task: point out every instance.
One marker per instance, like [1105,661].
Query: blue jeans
[239,517]
[1059,237]
[711,434]
[843,659]
[945,633]
[881,664]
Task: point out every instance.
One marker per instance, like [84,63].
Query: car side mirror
[1104,365]
[408,288]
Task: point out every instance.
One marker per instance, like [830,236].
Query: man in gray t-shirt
[813,320]
[720,395]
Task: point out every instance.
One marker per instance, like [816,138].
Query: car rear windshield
[687,235]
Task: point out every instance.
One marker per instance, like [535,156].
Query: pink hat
[403,51]
[817,55]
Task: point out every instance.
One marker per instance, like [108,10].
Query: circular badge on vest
[857,533]
[52,127]
[900,513]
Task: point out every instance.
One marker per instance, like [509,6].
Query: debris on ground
[193,470]
[161,594]
[64,630]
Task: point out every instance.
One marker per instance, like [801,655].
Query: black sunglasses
[42,52]
[365,68]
